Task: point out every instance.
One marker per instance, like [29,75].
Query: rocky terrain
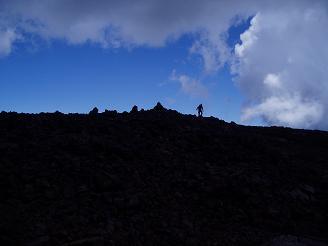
[158,177]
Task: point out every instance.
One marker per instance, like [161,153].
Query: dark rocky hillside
[159,177]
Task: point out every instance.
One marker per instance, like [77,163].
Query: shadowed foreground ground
[159,178]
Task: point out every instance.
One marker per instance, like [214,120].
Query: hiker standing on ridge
[200,110]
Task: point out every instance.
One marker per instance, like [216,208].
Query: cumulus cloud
[291,111]
[190,86]
[127,22]
[280,63]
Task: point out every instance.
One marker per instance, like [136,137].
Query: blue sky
[50,76]
[253,62]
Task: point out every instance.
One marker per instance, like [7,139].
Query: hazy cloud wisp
[190,86]
[7,38]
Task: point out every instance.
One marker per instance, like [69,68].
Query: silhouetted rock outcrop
[94,111]
[159,179]
[159,107]
[134,109]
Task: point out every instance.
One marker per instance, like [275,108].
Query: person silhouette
[200,110]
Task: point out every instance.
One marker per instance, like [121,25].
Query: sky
[257,62]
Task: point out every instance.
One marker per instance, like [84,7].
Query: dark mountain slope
[158,177]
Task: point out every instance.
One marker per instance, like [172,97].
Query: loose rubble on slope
[158,177]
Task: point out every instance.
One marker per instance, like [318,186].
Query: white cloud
[249,37]
[190,86]
[282,65]
[215,52]
[7,38]
[286,111]
[127,22]
[272,81]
